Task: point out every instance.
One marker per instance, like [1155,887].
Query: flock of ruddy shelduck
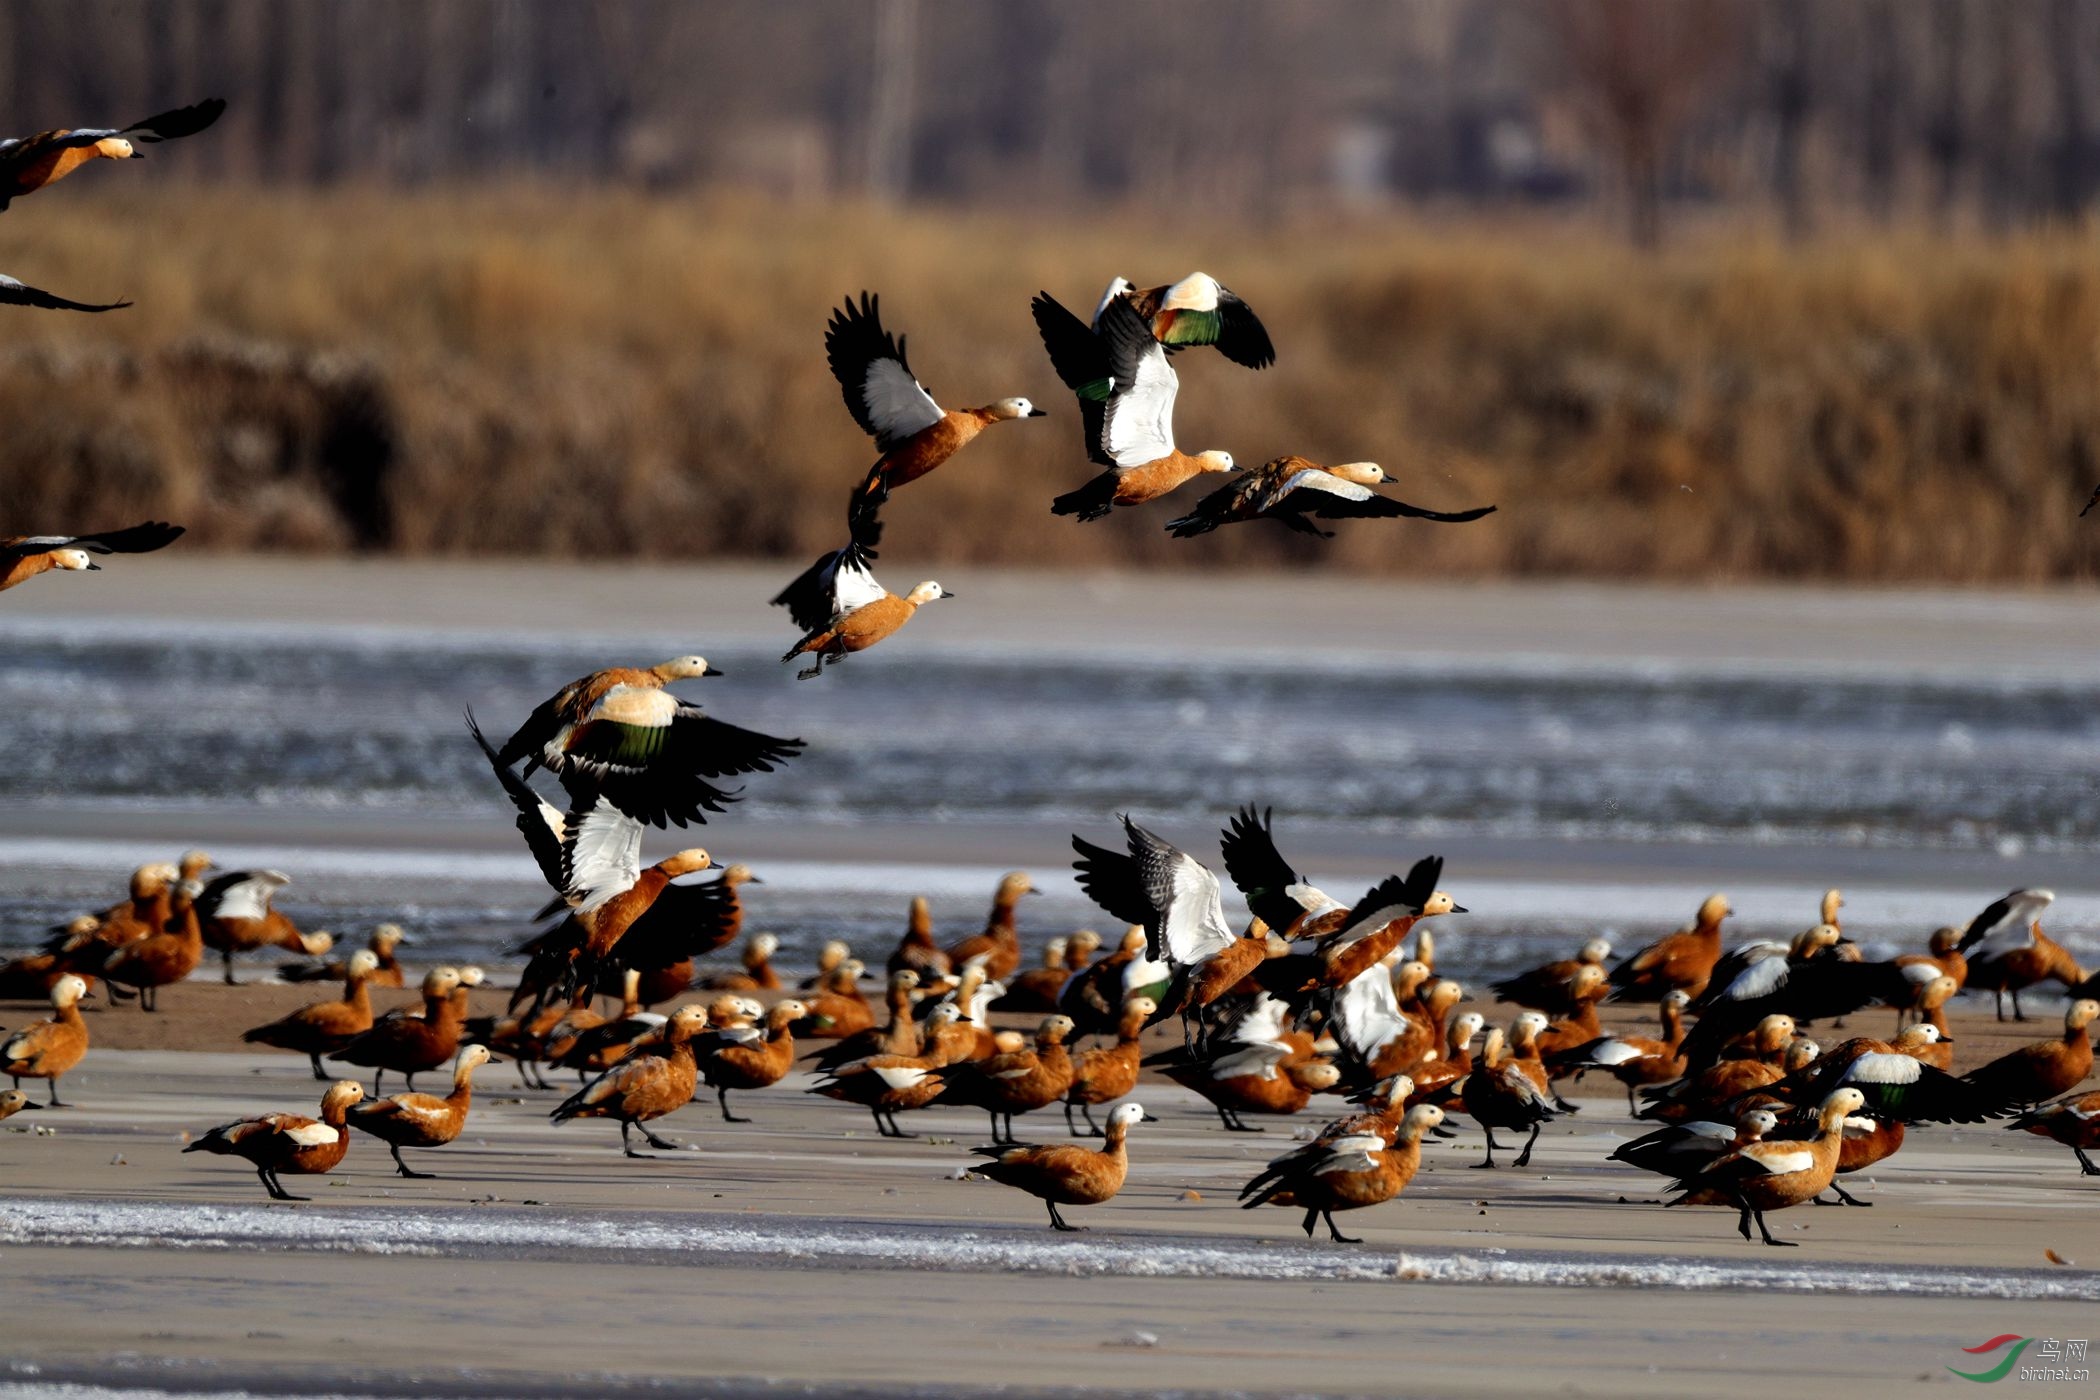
[1311,997]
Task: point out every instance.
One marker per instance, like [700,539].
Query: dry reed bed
[520,371]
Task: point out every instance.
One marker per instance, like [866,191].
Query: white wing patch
[1762,978]
[1194,922]
[1313,479]
[16,1049]
[250,898]
[1884,1069]
[312,1135]
[1918,974]
[897,405]
[1196,292]
[899,1076]
[1618,1052]
[853,586]
[1367,1014]
[1257,1060]
[1139,424]
[1777,1161]
[605,856]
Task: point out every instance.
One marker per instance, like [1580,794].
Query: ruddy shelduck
[842,608]
[236,916]
[1018,1081]
[1000,943]
[29,163]
[592,857]
[2043,1070]
[887,1085]
[750,1057]
[1197,310]
[1065,1174]
[620,734]
[47,1049]
[1684,959]
[1344,1173]
[1293,491]
[276,1143]
[411,1045]
[1126,391]
[23,557]
[2073,1121]
[326,1026]
[1775,1173]
[2008,952]
[1103,1075]
[914,434]
[422,1120]
[645,1087]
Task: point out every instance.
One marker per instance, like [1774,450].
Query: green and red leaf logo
[2004,1368]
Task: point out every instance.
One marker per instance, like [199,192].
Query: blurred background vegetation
[1695,289]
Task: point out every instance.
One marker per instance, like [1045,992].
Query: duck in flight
[1126,389]
[914,433]
[1292,490]
[23,557]
[1197,310]
[28,163]
[592,856]
[840,606]
[621,735]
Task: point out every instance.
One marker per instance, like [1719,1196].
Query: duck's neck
[357,998]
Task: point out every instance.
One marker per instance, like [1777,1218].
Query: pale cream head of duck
[387,937]
[831,955]
[1361,473]
[1128,1112]
[1421,1119]
[363,963]
[1004,409]
[683,668]
[150,880]
[471,1058]
[1318,1077]
[927,592]
[471,976]
[1802,1053]
[760,949]
[67,990]
[1833,900]
[1595,951]
[1085,943]
[1441,903]
[1465,1028]
[317,942]
[686,862]
[1714,908]
[73,560]
[1588,978]
[1213,460]
[440,981]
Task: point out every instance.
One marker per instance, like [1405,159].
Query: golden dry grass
[520,371]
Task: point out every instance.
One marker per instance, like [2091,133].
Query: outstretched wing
[2006,923]
[1200,310]
[1259,870]
[1372,506]
[1138,422]
[1191,921]
[543,828]
[690,918]
[14,293]
[881,393]
[168,126]
[1081,361]
[135,539]
[1394,897]
[1111,879]
[842,580]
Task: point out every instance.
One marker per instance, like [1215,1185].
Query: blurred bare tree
[1945,108]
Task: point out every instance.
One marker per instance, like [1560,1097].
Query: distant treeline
[1975,112]
[528,372]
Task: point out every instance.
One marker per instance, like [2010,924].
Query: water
[301,731]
